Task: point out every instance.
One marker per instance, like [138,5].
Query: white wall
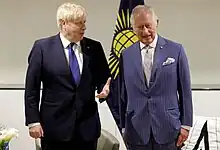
[206,103]
[193,23]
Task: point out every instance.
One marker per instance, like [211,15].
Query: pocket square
[168,61]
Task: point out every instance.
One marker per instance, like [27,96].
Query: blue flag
[122,39]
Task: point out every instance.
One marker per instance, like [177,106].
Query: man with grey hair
[156,100]
[70,67]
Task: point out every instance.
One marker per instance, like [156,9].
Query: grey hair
[145,8]
[69,12]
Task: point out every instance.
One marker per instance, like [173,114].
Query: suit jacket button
[149,97]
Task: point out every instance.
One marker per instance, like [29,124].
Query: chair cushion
[107,141]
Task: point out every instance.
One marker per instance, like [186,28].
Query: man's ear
[62,22]
[157,22]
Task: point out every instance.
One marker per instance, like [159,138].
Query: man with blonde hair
[156,99]
[70,67]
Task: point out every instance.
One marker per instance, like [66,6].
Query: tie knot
[148,48]
[71,45]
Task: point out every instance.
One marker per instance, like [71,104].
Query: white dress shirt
[76,48]
[79,55]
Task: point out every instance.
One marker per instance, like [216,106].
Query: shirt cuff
[186,127]
[33,124]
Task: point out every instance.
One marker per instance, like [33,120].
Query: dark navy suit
[67,111]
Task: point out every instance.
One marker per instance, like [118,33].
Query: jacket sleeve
[33,84]
[184,90]
[101,69]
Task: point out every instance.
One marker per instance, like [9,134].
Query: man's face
[145,27]
[74,30]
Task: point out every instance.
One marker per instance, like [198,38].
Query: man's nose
[146,30]
[83,27]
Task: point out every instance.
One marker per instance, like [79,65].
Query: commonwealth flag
[122,39]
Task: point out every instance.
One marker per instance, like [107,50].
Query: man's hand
[182,137]
[36,131]
[105,90]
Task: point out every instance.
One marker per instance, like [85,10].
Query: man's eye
[141,27]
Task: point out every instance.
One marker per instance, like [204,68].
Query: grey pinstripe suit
[162,107]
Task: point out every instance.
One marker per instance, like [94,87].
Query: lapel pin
[161,47]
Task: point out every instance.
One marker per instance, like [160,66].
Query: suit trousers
[76,143]
[70,145]
[153,145]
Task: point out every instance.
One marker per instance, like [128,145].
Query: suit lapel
[84,48]
[59,51]
[138,61]
[60,56]
[159,57]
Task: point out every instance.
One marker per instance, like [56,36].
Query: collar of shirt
[76,49]
[66,42]
[152,45]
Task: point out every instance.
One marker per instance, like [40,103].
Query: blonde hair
[145,8]
[70,12]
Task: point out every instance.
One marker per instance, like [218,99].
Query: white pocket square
[168,61]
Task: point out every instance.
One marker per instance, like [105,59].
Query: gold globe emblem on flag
[124,37]
[123,40]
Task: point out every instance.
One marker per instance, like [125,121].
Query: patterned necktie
[73,63]
[147,63]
